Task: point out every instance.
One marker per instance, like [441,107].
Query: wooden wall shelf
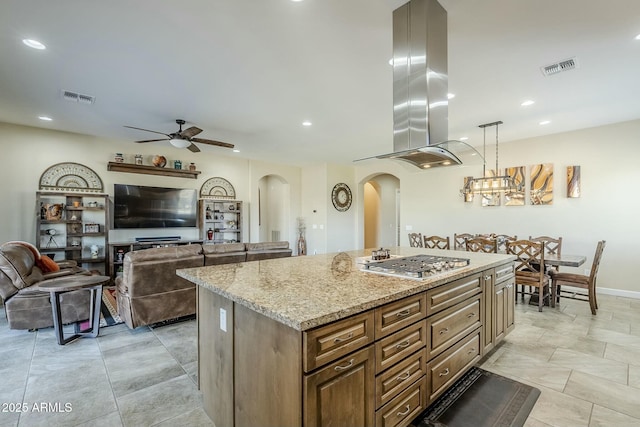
[151,170]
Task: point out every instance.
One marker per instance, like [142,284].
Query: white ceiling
[249,72]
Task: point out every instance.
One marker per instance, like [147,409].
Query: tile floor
[587,367]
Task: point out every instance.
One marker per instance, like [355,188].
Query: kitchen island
[314,340]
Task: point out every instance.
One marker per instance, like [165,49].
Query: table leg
[94,319]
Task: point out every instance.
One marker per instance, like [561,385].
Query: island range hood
[420,89]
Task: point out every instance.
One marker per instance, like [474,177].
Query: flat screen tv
[136,206]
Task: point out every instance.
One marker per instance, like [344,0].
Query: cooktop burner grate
[416,266]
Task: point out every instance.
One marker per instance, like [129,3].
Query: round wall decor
[341,197]
[71,177]
[217,188]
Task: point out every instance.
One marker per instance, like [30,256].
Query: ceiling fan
[184,138]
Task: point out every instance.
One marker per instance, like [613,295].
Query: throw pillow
[47,265]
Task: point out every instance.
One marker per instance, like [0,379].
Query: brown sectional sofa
[149,291]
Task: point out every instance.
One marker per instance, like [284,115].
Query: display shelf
[151,170]
[221,221]
[61,221]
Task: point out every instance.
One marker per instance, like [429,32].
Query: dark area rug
[481,399]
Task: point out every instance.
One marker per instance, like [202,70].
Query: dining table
[564,260]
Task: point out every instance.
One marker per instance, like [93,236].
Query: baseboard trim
[609,291]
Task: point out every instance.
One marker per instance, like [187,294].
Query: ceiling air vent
[78,97]
[558,67]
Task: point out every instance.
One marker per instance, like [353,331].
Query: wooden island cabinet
[288,342]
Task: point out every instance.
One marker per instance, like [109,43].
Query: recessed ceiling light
[296,1]
[545,122]
[34,44]
[236,150]
[464,138]
[451,95]
[306,123]
[391,61]
[638,37]
[527,103]
[45,118]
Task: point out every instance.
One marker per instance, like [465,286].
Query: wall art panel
[541,184]
[574,183]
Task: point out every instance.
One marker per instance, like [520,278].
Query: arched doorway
[273,208]
[381,211]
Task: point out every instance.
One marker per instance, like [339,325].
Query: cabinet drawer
[394,316]
[451,365]
[400,376]
[404,408]
[396,347]
[327,343]
[505,272]
[451,294]
[450,325]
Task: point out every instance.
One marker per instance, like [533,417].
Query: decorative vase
[210,234]
[302,245]
[192,167]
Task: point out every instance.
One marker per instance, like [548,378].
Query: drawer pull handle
[403,313]
[487,277]
[403,344]
[403,377]
[445,373]
[473,350]
[405,412]
[348,337]
[347,366]
[470,315]
[444,331]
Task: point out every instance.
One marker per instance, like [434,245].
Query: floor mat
[108,310]
[481,399]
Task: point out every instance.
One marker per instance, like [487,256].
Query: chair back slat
[502,239]
[415,240]
[552,246]
[480,244]
[530,258]
[596,262]
[436,242]
[460,241]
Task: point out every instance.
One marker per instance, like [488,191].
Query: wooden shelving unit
[151,170]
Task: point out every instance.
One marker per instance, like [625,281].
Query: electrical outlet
[223,319]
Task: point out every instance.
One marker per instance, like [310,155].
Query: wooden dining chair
[552,246]
[479,244]
[502,239]
[415,240]
[460,241]
[436,242]
[529,274]
[579,281]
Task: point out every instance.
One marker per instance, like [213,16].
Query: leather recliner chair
[28,307]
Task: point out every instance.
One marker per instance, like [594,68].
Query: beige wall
[430,200]
[608,208]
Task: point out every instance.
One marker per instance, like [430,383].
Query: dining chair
[502,239]
[436,242]
[415,240]
[460,241]
[529,274]
[579,281]
[479,244]
[552,246]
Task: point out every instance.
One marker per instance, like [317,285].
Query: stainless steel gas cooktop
[416,266]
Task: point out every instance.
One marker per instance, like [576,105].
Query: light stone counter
[309,291]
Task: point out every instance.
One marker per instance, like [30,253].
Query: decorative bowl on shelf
[159,161]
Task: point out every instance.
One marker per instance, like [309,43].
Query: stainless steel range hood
[420,88]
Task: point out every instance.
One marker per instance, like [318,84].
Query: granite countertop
[308,291]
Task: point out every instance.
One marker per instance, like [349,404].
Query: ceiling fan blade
[192,131]
[147,130]
[193,148]
[212,142]
[153,140]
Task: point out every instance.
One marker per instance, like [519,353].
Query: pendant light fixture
[490,184]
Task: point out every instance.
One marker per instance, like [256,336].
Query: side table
[73,283]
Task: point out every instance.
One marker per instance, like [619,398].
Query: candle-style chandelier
[490,184]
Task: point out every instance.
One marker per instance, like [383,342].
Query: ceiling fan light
[180,143]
